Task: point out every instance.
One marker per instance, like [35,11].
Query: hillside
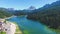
[48,15]
[4,14]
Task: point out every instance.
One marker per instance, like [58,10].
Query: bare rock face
[31,8]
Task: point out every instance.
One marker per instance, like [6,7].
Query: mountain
[25,11]
[4,14]
[57,3]
[48,15]
[31,8]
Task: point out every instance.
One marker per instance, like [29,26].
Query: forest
[4,13]
[48,15]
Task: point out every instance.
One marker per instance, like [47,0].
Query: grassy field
[2,32]
[18,31]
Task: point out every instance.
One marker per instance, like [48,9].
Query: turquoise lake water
[30,26]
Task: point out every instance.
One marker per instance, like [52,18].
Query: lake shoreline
[11,27]
[15,27]
[26,24]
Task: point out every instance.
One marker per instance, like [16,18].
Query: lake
[30,26]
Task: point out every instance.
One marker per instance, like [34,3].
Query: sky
[24,4]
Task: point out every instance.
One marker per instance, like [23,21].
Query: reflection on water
[30,26]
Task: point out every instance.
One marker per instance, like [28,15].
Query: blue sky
[24,4]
